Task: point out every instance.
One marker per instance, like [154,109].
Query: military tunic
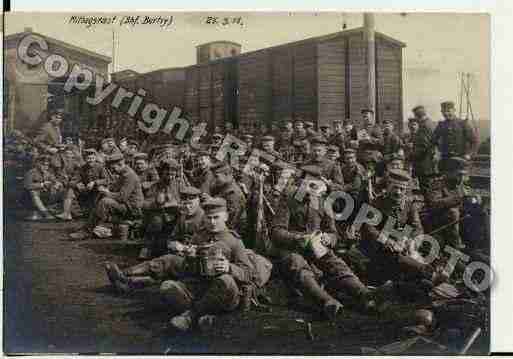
[455,138]
[236,203]
[49,136]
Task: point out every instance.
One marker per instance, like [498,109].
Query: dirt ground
[58,300]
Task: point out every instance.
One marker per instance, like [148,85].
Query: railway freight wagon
[318,79]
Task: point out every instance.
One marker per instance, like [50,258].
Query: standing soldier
[267,144]
[331,171]
[217,141]
[326,131]
[84,185]
[391,145]
[444,196]
[409,142]
[423,154]
[339,137]
[302,234]
[370,137]
[454,137]
[224,186]
[284,144]
[148,175]
[309,128]
[351,135]
[43,187]
[333,153]
[49,136]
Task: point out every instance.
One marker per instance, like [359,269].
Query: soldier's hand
[80,186]
[222,266]
[189,251]
[175,246]
[52,150]
[90,185]
[146,185]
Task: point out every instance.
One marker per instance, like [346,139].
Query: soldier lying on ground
[43,187]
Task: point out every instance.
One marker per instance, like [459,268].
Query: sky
[439,45]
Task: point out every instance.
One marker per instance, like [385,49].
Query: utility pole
[368,23]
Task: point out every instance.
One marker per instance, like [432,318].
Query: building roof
[60,43]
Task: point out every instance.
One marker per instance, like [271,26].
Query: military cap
[215,205]
[299,121]
[89,151]
[107,139]
[396,156]
[348,121]
[57,111]
[447,105]
[337,122]
[116,157]
[169,164]
[123,139]
[189,192]
[399,177]
[247,136]
[221,167]
[267,138]
[418,107]
[318,140]
[388,122]
[333,148]
[456,165]
[412,119]
[367,110]
[217,136]
[43,158]
[312,170]
[325,126]
[133,142]
[140,156]
[203,154]
[370,156]
[349,151]
[309,124]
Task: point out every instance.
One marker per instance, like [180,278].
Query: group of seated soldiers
[201,217]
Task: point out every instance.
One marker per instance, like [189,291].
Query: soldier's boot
[66,210]
[117,278]
[140,270]
[309,285]
[38,203]
[123,232]
[183,322]
[354,287]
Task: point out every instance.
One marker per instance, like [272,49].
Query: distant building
[30,91]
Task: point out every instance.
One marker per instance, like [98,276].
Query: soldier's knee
[227,289]
[227,283]
[176,295]
[296,261]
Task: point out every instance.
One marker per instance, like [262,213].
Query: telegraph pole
[370,39]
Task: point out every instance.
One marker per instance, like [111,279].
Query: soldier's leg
[222,295]
[69,196]
[153,227]
[298,273]
[453,237]
[177,295]
[38,204]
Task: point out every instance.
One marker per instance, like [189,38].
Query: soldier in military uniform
[391,141]
[217,141]
[454,137]
[224,186]
[42,186]
[167,266]
[310,129]
[161,209]
[267,144]
[147,174]
[213,286]
[65,164]
[132,150]
[333,153]
[408,140]
[202,176]
[351,135]
[83,186]
[284,145]
[49,137]
[108,148]
[371,135]
[339,137]
[331,171]
[423,152]
[444,196]
[302,235]
[120,203]
[326,131]
[392,254]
